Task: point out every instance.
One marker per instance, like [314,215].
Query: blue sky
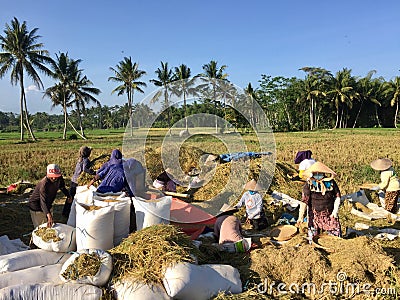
[251,37]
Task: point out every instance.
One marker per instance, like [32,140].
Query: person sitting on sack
[41,201]
[389,183]
[227,227]
[321,199]
[253,202]
[112,175]
[304,159]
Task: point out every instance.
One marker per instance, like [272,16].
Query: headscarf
[84,152]
[302,155]
[116,157]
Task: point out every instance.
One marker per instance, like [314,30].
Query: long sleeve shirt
[389,181]
[45,193]
[253,203]
[82,166]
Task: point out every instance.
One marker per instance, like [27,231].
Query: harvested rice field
[356,267]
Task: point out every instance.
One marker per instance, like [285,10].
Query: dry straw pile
[144,255]
[47,234]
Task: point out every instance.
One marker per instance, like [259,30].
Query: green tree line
[319,100]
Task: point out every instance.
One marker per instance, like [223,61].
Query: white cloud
[32,88]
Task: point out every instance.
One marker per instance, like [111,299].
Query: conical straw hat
[283,232]
[252,185]
[381,164]
[318,167]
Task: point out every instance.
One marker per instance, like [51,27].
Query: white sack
[358,196]
[83,195]
[94,228]
[30,258]
[65,232]
[152,212]
[39,274]
[8,246]
[101,276]
[47,291]
[201,282]
[122,208]
[127,290]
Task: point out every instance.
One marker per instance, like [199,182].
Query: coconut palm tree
[64,70]
[164,78]
[368,89]
[392,90]
[182,85]
[253,97]
[214,73]
[127,73]
[22,55]
[342,93]
[313,90]
[82,91]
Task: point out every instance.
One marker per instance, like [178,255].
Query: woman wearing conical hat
[252,199]
[321,198]
[389,183]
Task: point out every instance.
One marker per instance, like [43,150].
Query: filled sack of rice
[83,195]
[152,212]
[132,290]
[94,227]
[89,266]
[39,274]
[122,206]
[30,258]
[59,238]
[46,291]
[201,282]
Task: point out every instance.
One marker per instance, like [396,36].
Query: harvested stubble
[47,234]
[83,265]
[145,254]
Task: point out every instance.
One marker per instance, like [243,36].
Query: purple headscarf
[116,157]
[302,155]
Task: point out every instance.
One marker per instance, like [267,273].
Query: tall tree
[183,86]
[164,78]
[82,92]
[23,54]
[127,73]
[214,73]
[313,90]
[392,90]
[64,71]
[342,93]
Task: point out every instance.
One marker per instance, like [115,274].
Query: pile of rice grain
[145,254]
[47,234]
[83,265]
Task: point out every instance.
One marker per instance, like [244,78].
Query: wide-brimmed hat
[227,208]
[194,172]
[283,232]
[381,164]
[318,167]
[53,171]
[252,185]
[211,158]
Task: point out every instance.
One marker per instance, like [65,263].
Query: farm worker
[321,198]
[82,165]
[304,159]
[253,202]
[227,227]
[41,201]
[112,175]
[165,181]
[389,183]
